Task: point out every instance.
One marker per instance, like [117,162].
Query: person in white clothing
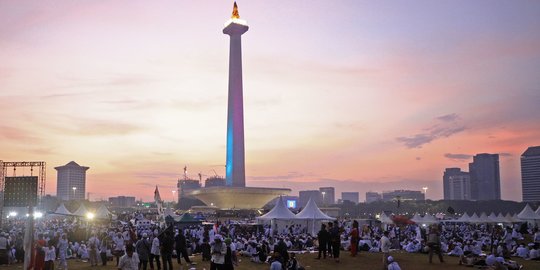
[154,252]
[130,260]
[62,251]
[50,255]
[385,248]
[392,265]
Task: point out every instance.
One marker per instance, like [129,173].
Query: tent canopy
[62,210]
[528,214]
[429,219]
[280,211]
[312,211]
[417,218]
[385,219]
[464,218]
[103,212]
[81,211]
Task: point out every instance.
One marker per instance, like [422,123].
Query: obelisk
[235,166]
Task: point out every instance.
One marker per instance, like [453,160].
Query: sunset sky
[360,95]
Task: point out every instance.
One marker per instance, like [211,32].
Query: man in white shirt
[385,248]
[392,265]
[218,249]
[130,260]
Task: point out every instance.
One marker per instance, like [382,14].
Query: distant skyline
[359,95]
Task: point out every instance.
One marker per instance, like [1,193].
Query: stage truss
[38,166]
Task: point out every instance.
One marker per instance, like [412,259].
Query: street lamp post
[173,193]
[425,194]
[74,190]
[323,201]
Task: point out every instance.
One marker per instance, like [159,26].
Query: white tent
[313,216]
[528,214]
[464,218]
[484,218]
[501,218]
[81,211]
[429,219]
[510,218]
[279,217]
[103,212]
[417,218]
[312,211]
[474,218]
[493,218]
[62,210]
[280,211]
[385,219]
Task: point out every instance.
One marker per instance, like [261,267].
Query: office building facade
[456,184]
[485,177]
[373,197]
[403,195]
[71,181]
[328,195]
[530,174]
[350,196]
[305,195]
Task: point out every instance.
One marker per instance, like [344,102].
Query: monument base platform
[238,197]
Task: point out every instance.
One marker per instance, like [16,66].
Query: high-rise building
[122,201]
[305,195]
[71,181]
[403,195]
[456,184]
[350,196]
[373,197]
[328,195]
[485,177]
[530,174]
[235,164]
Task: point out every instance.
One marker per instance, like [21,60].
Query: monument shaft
[235,166]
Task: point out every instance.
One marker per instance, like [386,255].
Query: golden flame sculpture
[235,14]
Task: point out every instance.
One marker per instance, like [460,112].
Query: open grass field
[369,261]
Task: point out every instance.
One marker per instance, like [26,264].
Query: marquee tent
[417,218]
[313,216]
[474,218]
[62,210]
[464,218]
[429,219]
[81,212]
[103,212]
[528,214]
[279,212]
[385,219]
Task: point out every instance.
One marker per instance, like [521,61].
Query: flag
[159,203]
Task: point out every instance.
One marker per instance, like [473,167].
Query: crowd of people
[225,245]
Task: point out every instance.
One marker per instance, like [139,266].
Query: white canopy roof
[501,218]
[81,211]
[537,210]
[484,218]
[312,211]
[493,218]
[385,219]
[103,212]
[464,218]
[429,219]
[417,218]
[62,210]
[474,218]
[510,219]
[280,211]
[528,214]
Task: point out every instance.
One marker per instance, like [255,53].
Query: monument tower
[235,165]
[235,194]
